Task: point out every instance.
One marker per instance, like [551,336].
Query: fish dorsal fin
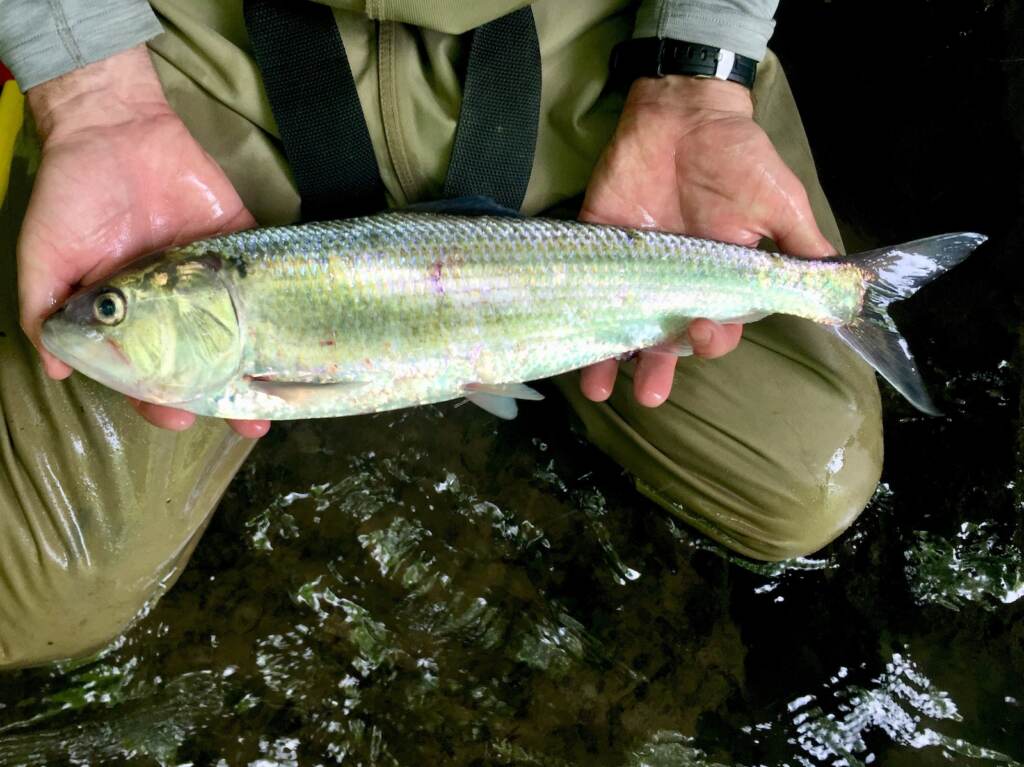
[476,205]
[500,399]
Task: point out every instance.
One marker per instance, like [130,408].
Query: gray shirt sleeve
[741,26]
[42,39]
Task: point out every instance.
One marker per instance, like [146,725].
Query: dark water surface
[436,587]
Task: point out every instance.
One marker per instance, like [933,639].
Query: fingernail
[700,335]
[653,399]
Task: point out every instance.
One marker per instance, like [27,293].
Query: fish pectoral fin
[744,319]
[680,347]
[500,399]
[298,393]
[345,375]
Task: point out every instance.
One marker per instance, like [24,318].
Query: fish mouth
[90,353]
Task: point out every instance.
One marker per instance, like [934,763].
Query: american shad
[413,307]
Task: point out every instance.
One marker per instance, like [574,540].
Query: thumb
[791,224]
[802,237]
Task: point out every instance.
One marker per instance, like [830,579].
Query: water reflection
[974,567]
[103,720]
[839,722]
[433,587]
[438,616]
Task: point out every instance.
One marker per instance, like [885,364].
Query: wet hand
[120,176]
[688,157]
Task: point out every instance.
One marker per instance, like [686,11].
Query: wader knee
[57,613]
[772,450]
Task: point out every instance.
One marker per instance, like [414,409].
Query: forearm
[117,90]
[41,40]
[741,26]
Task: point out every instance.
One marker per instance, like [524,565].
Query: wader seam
[410,181]
[701,524]
[757,98]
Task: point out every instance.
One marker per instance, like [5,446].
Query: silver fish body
[405,308]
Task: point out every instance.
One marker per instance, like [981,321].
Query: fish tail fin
[895,273]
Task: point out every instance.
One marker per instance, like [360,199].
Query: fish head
[164,330]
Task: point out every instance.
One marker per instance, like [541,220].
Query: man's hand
[120,176]
[688,157]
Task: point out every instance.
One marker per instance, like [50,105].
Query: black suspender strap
[313,97]
[497,131]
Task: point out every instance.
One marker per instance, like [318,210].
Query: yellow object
[12,110]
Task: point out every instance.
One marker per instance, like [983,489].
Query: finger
[54,368]
[711,339]
[38,297]
[164,417]
[655,372]
[598,380]
[243,219]
[250,429]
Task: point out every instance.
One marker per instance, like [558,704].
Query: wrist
[689,94]
[120,89]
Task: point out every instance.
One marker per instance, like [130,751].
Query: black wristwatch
[657,57]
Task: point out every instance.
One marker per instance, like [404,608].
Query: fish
[419,306]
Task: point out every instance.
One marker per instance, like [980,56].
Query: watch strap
[660,56]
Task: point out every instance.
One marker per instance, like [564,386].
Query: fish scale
[408,308]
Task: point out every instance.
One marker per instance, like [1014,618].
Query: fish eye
[109,307]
